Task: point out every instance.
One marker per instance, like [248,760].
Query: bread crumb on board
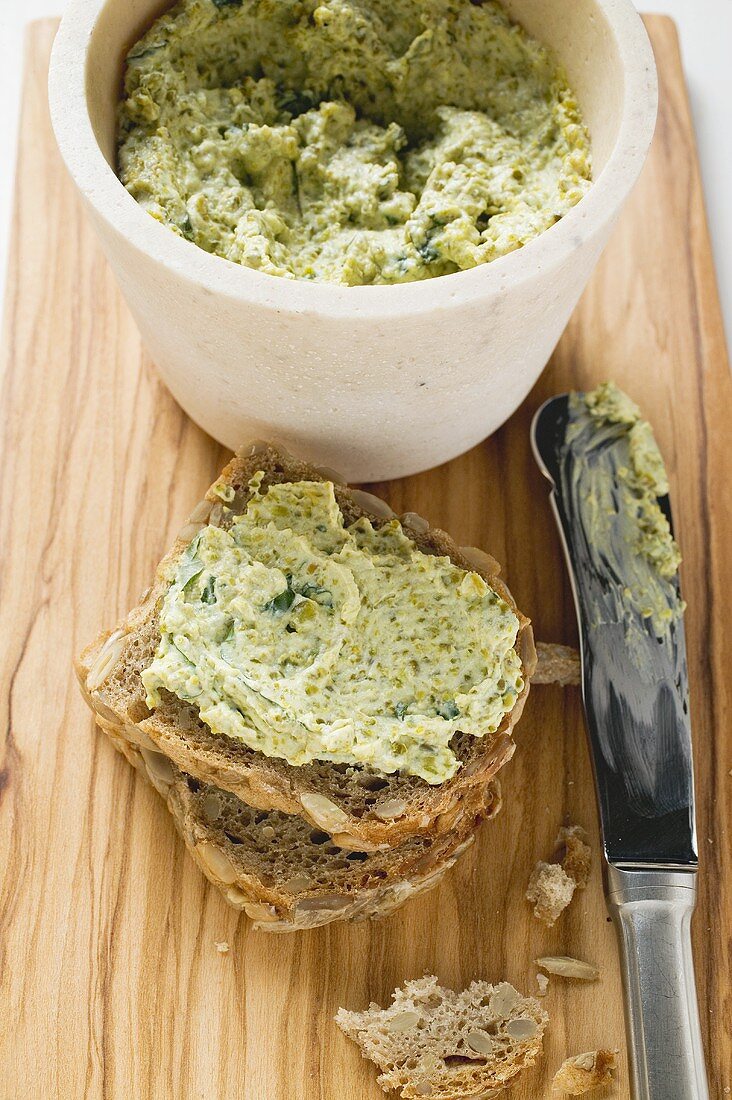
[551,890]
[222,947]
[432,1042]
[543,983]
[585,1072]
[552,885]
[556,664]
[574,853]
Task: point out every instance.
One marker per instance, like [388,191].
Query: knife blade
[634,675]
[636,698]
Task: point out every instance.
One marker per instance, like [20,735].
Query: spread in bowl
[350,141]
[309,640]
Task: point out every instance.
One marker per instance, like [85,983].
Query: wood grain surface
[110,981]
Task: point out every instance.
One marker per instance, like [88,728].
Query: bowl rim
[100,187]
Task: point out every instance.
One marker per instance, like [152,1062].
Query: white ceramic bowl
[378,381]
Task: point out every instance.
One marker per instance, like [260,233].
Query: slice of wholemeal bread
[433,1042]
[284,874]
[358,807]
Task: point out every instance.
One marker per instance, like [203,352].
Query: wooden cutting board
[111,982]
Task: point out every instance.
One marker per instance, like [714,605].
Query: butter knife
[635,693]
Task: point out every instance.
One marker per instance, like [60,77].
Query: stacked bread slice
[295,846]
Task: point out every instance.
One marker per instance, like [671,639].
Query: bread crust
[402,873]
[356,805]
[585,1072]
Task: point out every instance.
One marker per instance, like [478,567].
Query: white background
[706,40]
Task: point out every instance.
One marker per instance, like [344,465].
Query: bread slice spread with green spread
[306,651]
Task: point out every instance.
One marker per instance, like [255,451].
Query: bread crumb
[551,890]
[585,1072]
[556,664]
[543,982]
[574,854]
[222,947]
[433,1042]
[552,885]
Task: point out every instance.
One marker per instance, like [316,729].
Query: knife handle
[652,914]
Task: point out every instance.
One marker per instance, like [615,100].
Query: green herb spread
[350,141]
[622,512]
[306,639]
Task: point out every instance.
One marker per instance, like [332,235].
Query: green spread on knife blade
[618,498]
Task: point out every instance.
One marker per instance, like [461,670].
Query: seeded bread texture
[282,872]
[432,1042]
[585,1072]
[360,808]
